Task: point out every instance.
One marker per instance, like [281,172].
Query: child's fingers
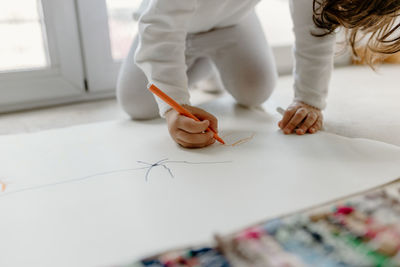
[316,126]
[190,145]
[300,115]
[195,139]
[312,118]
[287,117]
[204,115]
[191,126]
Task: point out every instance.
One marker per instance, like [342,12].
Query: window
[26,45]
[40,53]
[122,26]
[276,20]
[107,28]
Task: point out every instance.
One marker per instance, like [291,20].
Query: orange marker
[179,108]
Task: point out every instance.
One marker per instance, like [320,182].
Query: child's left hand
[301,118]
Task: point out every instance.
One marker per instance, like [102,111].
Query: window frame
[101,68]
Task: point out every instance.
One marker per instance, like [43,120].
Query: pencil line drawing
[149,167]
[163,163]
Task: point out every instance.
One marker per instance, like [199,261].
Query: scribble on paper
[149,167]
[244,140]
[3,186]
[238,138]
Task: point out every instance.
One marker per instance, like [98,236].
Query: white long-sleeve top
[164,25]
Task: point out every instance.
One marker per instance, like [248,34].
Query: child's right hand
[190,133]
[301,118]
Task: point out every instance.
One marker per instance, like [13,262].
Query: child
[181,41]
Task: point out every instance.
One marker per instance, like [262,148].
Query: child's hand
[301,118]
[190,133]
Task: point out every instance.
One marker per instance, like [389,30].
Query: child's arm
[161,50]
[161,56]
[313,68]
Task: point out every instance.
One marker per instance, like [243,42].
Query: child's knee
[137,104]
[255,92]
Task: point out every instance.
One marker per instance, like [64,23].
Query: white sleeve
[314,56]
[161,50]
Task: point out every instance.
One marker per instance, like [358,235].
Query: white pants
[240,55]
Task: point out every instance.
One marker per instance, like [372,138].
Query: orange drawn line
[3,186]
[243,141]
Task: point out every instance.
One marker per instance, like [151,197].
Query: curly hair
[374,20]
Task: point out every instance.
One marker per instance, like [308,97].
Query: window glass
[277,22]
[122,25]
[23,44]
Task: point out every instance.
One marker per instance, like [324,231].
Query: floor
[70,115]
[362,103]
[58,117]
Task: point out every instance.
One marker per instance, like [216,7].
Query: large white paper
[76,196]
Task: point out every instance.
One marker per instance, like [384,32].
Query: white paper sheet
[72,199]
